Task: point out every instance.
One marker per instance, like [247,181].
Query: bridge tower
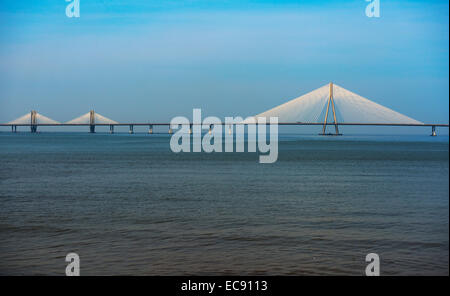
[33,123]
[330,100]
[92,121]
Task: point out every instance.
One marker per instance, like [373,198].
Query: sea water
[128,205]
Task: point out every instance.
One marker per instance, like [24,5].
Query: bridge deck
[223,123]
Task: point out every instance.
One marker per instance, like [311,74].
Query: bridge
[329,105]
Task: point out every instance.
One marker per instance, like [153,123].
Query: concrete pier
[33,126]
[433,131]
[92,121]
[111,129]
[150,129]
[131,129]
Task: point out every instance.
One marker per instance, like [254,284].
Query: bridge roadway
[33,127]
[223,123]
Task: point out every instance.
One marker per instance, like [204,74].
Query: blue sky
[153,60]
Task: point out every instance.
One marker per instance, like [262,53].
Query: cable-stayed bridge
[329,105]
[92,119]
[334,104]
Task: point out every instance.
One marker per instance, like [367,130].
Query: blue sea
[128,205]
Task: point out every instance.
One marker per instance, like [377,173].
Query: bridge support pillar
[210,129]
[170,130]
[92,121]
[111,129]
[33,126]
[433,131]
[14,128]
[131,129]
[150,129]
[337,133]
[190,128]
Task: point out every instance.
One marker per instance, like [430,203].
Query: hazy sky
[153,60]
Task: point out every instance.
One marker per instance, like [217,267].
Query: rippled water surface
[128,205]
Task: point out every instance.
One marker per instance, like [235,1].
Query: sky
[141,61]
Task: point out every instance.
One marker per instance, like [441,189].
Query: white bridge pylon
[345,107]
[92,118]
